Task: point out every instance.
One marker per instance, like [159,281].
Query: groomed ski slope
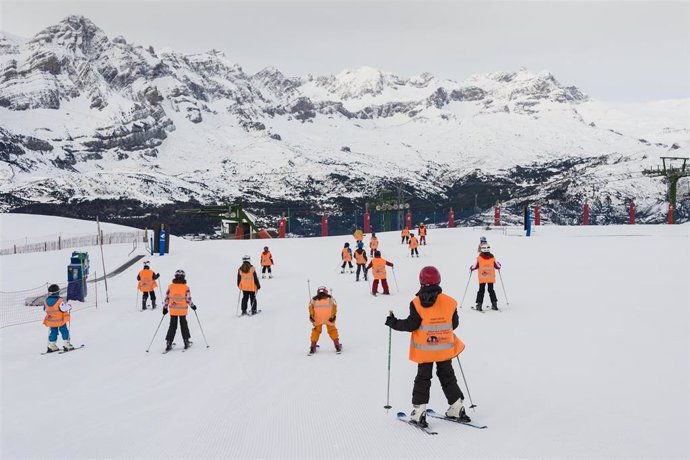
[591,358]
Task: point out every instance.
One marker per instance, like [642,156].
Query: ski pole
[239,294]
[473,405]
[504,288]
[155,333]
[136,304]
[388,387]
[396,281]
[466,286]
[201,328]
[309,288]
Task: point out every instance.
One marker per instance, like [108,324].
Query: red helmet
[429,275]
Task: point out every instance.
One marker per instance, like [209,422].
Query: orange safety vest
[266,259]
[360,257]
[177,299]
[54,316]
[323,310]
[347,257]
[413,242]
[374,243]
[486,270]
[146,281]
[247,280]
[422,231]
[378,268]
[405,232]
[435,340]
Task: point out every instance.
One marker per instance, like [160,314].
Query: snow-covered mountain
[85,116]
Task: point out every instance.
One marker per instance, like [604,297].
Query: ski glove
[390,320]
[194,307]
[332,319]
[165,311]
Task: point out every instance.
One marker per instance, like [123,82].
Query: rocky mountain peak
[77,34]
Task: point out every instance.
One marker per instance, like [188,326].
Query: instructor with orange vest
[433,318]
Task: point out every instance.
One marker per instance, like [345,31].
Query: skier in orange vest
[486,266]
[57,317]
[422,233]
[147,285]
[378,267]
[322,310]
[248,283]
[433,318]
[413,245]
[361,259]
[346,256]
[266,263]
[405,234]
[178,299]
[373,244]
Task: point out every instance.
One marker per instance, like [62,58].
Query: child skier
[147,285]
[373,244]
[57,317]
[482,240]
[422,233]
[266,262]
[346,256]
[413,245]
[248,283]
[433,318]
[361,259]
[358,235]
[487,266]
[405,234]
[322,310]
[178,299]
[378,266]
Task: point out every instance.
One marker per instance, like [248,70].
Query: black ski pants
[446,375]
[248,296]
[264,268]
[414,251]
[346,263]
[172,329]
[145,296]
[492,293]
[363,268]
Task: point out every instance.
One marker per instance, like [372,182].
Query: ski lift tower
[673,169]
[388,203]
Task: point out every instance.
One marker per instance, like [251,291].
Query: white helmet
[485,248]
[246,259]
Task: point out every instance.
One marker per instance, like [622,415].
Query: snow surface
[591,358]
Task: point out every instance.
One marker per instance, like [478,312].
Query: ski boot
[338,346]
[244,313]
[494,305]
[153,305]
[342,271]
[143,305]
[418,415]
[352,271]
[187,343]
[67,346]
[168,345]
[478,307]
[312,348]
[52,347]
[457,412]
[270,276]
[263,277]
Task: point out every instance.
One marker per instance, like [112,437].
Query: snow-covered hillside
[86,116]
[591,359]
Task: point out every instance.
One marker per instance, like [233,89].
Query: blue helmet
[360,245]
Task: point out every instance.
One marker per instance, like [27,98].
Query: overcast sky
[614,51]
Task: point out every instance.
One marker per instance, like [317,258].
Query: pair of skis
[402,416]
[63,351]
[173,346]
[250,314]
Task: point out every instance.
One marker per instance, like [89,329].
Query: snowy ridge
[78,107]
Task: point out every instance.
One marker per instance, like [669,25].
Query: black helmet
[347,245]
[53,288]
[377,254]
[179,274]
